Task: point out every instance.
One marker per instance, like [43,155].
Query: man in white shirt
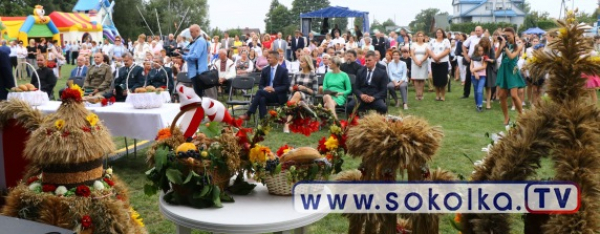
[107,48]
[279,43]
[225,67]
[470,43]
[325,67]
[21,59]
[338,40]
[13,54]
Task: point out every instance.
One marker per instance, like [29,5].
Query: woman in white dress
[420,67]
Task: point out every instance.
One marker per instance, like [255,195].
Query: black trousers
[467,88]
[13,62]
[74,55]
[377,105]
[68,57]
[197,87]
[260,101]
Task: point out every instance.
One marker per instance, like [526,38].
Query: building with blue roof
[488,11]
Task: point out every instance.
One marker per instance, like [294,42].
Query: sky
[227,14]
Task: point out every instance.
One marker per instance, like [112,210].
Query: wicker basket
[33,98]
[279,185]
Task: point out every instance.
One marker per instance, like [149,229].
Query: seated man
[325,68]
[273,87]
[226,69]
[156,76]
[47,77]
[370,87]
[350,66]
[136,79]
[79,71]
[99,77]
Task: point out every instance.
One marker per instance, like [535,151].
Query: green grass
[463,127]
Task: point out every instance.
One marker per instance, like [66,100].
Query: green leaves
[160,157]
[241,187]
[216,193]
[213,129]
[150,190]
[174,176]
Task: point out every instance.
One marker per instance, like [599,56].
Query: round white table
[258,212]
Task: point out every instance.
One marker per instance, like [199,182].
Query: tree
[525,6]
[358,21]
[127,19]
[424,20]
[277,18]
[583,17]
[377,26]
[198,14]
[305,6]
[25,7]
[532,20]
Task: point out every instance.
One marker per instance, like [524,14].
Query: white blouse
[439,47]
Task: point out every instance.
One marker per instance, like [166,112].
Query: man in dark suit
[46,76]
[157,77]
[350,66]
[297,43]
[136,79]
[370,87]
[7,80]
[380,43]
[273,87]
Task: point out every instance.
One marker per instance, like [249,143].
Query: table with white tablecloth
[124,120]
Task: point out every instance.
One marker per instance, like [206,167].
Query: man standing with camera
[196,58]
[470,43]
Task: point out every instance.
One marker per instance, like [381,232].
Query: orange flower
[163,134]
[273,113]
[457,218]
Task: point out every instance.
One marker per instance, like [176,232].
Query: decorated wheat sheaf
[565,128]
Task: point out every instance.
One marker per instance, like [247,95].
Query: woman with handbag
[53,58]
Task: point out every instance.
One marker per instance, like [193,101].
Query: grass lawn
[463,127]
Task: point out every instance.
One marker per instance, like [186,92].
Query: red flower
[109,182]
[322,148]
[112,100]
[104,102]
[343,124]
[290,103]
[86,129]
[163,87]
[295,88]
[48,132]
[354,121]
[329,157]
[282,149]
[48,188]
[242,135]
[71,94]
[66,133]
[86,221]
[83,191]
[32,179]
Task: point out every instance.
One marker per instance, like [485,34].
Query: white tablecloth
[123,120]
[257,212]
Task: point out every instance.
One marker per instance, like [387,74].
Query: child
[478,66]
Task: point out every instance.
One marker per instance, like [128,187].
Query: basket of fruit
[148,97]
[29,93]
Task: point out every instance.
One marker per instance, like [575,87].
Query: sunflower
[76,87]
[59,124]
[92,119]
[135,216]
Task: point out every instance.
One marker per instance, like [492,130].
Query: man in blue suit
[196,58]
[79,71]
[273,87]
[370,87]
[297,43]
[6,77]
[136,79]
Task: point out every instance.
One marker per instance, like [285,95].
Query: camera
[503,37]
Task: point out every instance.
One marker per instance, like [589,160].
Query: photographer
[507,80]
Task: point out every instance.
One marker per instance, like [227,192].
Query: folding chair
[319,96]
[350,97]
[239,83]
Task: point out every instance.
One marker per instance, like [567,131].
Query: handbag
[207,79]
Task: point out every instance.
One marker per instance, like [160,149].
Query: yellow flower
[76,87]
[135,216]
[286,150]
[562,32]
[59,124]
[594,59]
[259,154]
[332,143]
[92,119]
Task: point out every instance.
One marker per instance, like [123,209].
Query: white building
[488,11]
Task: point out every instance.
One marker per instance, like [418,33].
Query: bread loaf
[301,155]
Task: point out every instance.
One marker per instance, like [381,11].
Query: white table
[124,120]
[258,212]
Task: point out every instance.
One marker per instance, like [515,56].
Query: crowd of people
[369,67]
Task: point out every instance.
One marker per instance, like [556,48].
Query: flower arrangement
[100,188]
[306,119]
[197,171]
